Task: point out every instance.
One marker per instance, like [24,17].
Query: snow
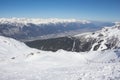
[10,48]
[104,36]
[106,31]
[19,62]
[37,21]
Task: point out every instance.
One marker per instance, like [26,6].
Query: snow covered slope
[107,38]
[19,62]
[11,49]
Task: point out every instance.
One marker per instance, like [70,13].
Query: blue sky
[100,10]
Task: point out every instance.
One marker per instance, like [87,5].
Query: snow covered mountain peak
[39,21]
[117,23]
[107,38]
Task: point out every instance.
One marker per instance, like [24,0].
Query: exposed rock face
[107,38]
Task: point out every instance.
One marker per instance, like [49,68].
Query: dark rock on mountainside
[65,43]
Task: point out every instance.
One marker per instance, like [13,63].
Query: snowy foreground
[19,62]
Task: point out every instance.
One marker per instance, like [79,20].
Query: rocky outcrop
[65,43]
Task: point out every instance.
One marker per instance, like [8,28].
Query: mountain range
[31,29]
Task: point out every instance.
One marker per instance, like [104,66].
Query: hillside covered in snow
[19,62]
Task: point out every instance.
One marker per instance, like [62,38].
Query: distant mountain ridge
[26,29]
[39,21]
